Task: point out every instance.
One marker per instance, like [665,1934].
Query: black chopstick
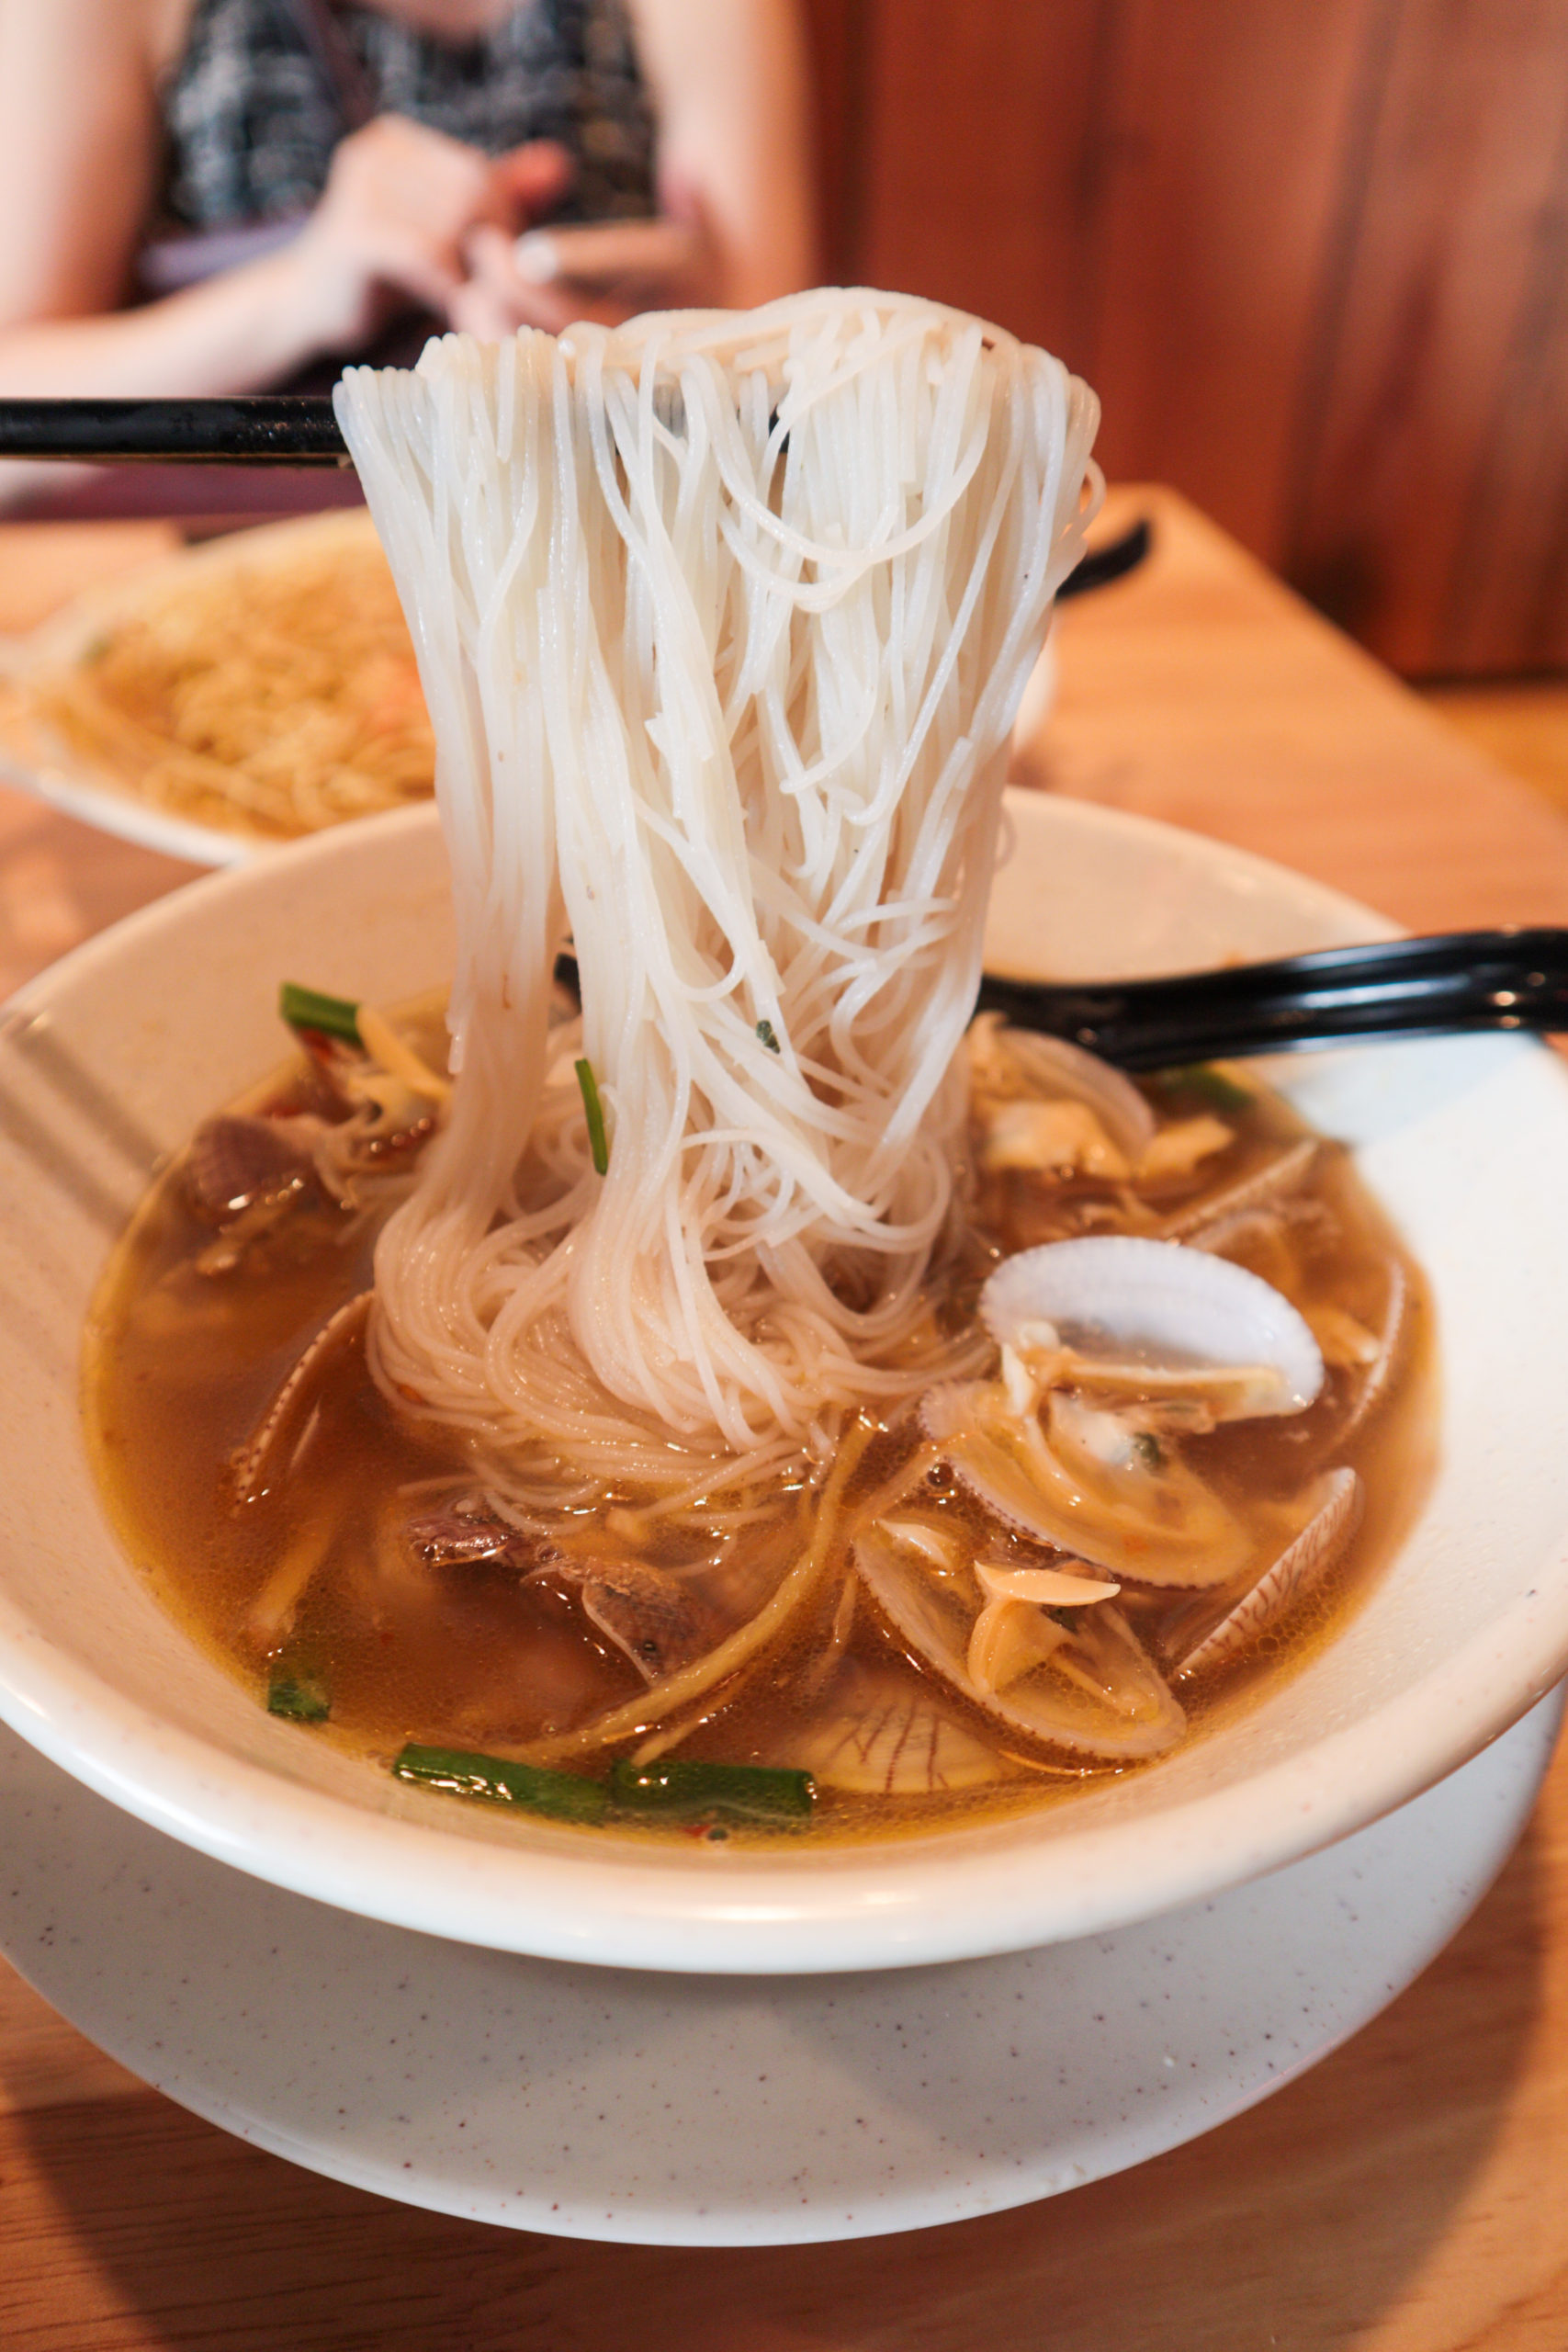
[1449,984]
[263,429]
[1113,561]
[295,429]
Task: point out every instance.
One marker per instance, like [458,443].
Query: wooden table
[1404,2196]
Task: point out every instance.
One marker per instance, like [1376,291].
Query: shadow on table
[1299,2223]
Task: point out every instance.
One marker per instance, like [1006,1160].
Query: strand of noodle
[693,741]
[695,1681]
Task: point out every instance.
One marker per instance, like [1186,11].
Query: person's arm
[78,150]
[731,94]
[79,136]
[731,88]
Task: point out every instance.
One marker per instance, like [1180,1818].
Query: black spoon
[1453,982]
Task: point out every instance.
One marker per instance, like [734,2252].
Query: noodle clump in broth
[767,1391]
[772,584]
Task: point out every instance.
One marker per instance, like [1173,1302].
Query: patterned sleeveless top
[254,108]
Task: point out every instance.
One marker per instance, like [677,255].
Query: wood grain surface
[1433,473]
[1404,2197]
[1313,258]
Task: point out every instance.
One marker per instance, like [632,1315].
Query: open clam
[1117,1313]
[1086,1484]
[1112,1348]
[1333,1509]
[278,1437]
[1273,1184]
[1044,1102]
[237,1164]
[1083,1682]
[1374,1364]
[653,1618]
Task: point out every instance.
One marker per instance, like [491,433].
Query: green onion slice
[329,1016]
[1209,1083]
[594,1110]
[687,1785]
[299,1697]
[460,1773]
[768,1035]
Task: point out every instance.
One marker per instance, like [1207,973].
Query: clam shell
[1161,1310]
[1335,1511]
[1270,1241]
[1098,1694]
[884,1738]
[1391,1339]
[1278,1178]
[236,1162]
[1161,1527]
[449,1538]
[657,1621]
[271,1447]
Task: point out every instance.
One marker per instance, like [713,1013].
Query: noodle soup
[389,1583]
[739,1395]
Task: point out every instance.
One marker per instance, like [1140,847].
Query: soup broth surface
[340,1585]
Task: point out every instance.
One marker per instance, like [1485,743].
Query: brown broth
[181,1365]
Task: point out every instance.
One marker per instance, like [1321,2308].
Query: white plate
[36,758]
[725,2111]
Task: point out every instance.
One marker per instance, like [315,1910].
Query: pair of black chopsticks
[1468,981]
[293,429]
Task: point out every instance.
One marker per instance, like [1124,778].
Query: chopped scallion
[594,1110]
[684,1785]
[565,1796]
[766,1032]
[299,1697]
[1209,1083]
[329,1016]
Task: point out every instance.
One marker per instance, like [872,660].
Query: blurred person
[202,197]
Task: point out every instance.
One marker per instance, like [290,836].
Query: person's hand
[604,270]
[393,221]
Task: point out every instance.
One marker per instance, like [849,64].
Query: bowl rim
[723,1910]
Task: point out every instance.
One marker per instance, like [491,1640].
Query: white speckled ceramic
[602,2103]
[109,1060]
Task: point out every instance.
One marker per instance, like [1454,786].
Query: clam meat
[1077,1678]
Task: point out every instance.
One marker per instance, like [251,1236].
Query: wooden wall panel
[835,36]
[1432,519]
[1312,254]
[1149,191]
[980,157]
[1226,131]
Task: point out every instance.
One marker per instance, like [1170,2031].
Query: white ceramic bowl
[109,1060]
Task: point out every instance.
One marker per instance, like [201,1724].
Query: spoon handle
[1401,988]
